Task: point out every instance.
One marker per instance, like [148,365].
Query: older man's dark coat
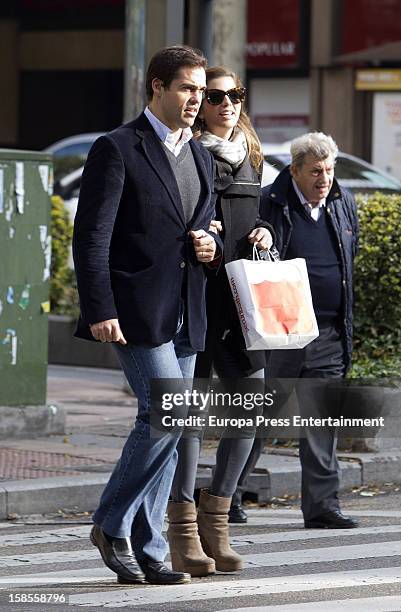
[342,213]
[133,257]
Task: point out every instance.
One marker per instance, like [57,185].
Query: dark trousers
[308,368]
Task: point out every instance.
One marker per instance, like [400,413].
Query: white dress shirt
[313,211]
[167,136]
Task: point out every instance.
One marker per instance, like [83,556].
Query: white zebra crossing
[332,546]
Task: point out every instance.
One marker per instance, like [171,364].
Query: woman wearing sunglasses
[225,130]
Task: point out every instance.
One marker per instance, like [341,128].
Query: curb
[277,478]
[280,475]
[47,495]
[44,495]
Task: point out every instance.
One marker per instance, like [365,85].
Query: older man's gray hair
[317,144]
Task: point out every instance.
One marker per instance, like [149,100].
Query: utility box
[26,180]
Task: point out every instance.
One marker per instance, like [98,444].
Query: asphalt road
[288,568]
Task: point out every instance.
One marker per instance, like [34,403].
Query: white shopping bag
[274,302]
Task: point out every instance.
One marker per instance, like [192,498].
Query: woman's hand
[215,226]
[262,238]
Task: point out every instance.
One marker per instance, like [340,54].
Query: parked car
[351,172]
[69,154]
[68,188]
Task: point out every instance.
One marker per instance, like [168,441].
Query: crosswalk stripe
[69,556]
[60,578]
[45,537]
[388,603]
[289,512]
[270,520]
[82,533]
[315,534]
[319,555]
[81,530]
[270,559]
[256,517]
[238,588]
[389,513]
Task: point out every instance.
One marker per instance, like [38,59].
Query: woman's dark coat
[237,207]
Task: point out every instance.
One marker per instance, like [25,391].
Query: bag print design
[282,307]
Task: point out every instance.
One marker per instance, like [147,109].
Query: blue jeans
[135,498]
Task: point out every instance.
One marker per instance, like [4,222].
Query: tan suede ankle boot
[185,548]
[214,531]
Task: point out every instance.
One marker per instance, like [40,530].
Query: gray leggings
[231,457]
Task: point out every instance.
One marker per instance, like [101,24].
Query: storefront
[277,53]
[385,86]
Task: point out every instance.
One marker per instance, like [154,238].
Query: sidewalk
[69,472]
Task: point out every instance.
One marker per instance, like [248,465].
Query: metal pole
[174,22]
[134,64]
[206,29]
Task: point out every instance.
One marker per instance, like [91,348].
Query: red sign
[273,34]
[369,23]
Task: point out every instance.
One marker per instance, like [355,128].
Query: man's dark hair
[166,63]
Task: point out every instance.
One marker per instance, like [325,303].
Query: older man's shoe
[117,555]
[157,573]
[333,519]
[237,514]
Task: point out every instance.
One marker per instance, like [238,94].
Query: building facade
[73,66]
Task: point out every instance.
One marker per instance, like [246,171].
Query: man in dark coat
[140,239]
[314,218]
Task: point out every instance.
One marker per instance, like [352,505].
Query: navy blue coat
[342,214]
[132,253]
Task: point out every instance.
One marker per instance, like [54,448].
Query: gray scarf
[233,151]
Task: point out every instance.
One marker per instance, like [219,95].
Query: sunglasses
[216,96]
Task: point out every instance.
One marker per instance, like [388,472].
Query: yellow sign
[377,79]
[45,307]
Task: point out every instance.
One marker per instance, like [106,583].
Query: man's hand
[261,237]
[108,331]
[204,245]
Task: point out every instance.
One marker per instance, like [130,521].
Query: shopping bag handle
[265,255]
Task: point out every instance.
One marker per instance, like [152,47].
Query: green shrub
[377,286]
[63,292]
